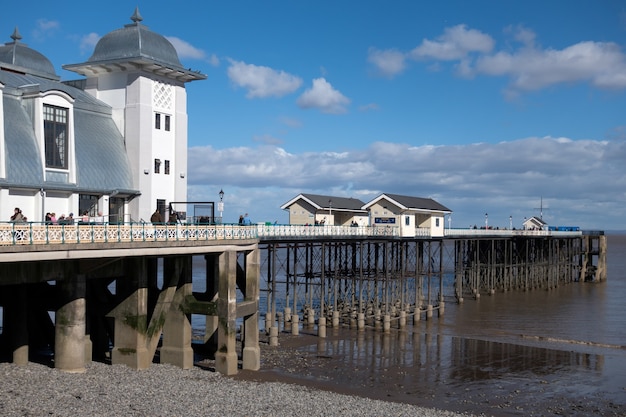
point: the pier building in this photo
(112, 144)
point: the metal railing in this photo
(316, 231)
(33, 233)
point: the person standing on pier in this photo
(18, 216)
(246, 220)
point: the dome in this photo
(19, 57)
(135, 41)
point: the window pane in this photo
(157, 121)
(167, 123)
(55, 136)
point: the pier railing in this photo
(33, 233)
(305, 231)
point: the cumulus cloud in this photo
(528, 66)
(262, 82)
(455, 43)
(45, 28)
(505, 179)
(88, 42)
(388, 62)
(187, 51)
(324, 97)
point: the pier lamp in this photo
(486, 221)
(511, 222)
(220, 205)
(330, 209)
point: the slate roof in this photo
(412, 203)
(322, 202)
(102, 163)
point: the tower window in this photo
(167, 167)
(157, 120)
(167, 123)
(157, 166)
(55, 136)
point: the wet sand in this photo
(447, 372)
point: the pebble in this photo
(164, 390)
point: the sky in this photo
(496, 109)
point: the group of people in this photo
(157, 218)
(244, 220)
(51, 218)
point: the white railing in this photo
(507, 233)
(44, 234)
(304, 231)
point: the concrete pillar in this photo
(131, 318)
(335, 319)
(176, 349)
(442, 308)
(273, 336)
(268, 322)
(15, 323)
(386, 323)
(311, 317)
(402, 320)
(429, 311)
(295, 325)
(360, 321)
(226, 355)
(321, 326)
(69, 334)
(251, 355)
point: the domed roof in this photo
(132, 41)
(19, 57)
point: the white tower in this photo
(138, 73)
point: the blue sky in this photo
(486, 106)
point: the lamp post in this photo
(330, 211)
(511, 222)
(449, 221)
(220, 205)
(486, 221)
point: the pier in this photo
(123, 292)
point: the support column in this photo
(226, 355)
(131, 318)
(176, 349)
(251, 351)
(69, 334)
(16, 322)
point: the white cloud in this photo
(262, 82)
(88, 42)
(505, 179)
(324, 97)
(185, 50)
(602, 64)
(388, 62)
(455, 43)
(45, 28)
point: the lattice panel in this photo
(162, 95)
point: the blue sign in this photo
(385, 220)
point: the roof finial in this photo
(136, 17)
(16, 35)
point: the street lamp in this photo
(449, 221)
(220, 205)
(330, 210)
(486, 221)
(511, 222)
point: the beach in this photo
(163, 390)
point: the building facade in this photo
(111, 144)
